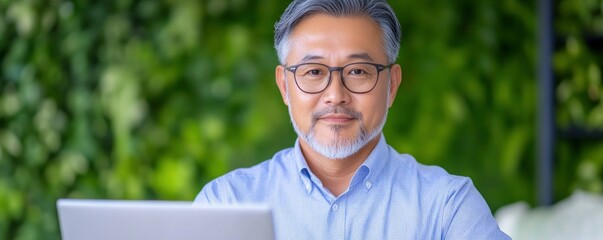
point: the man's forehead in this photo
(323, 36)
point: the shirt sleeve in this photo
(468, 216)
(211, 194)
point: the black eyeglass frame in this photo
(380, 67)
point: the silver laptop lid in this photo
(161, 220)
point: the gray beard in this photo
(341, 147)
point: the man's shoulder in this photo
(449, 199)
(427, 175)
(280, 163)
(242, 183)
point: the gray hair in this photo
(378, 10)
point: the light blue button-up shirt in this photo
(391, 196)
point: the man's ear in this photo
(281, 82)
(395, 81)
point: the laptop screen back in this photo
(161, 220)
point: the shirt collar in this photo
(374, 165)
(302, 167)
(368, 172)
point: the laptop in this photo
(161, 220)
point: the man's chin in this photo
(338, 127)
(338, 148)
(336, 140)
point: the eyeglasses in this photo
(358, 77)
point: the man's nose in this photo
(336, 93)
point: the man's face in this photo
(336, 118)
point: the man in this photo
(341, 180)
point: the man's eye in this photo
(314, 72)
(357, 71)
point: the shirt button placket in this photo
(337, 220)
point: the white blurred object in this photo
(578, 217)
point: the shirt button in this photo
(335, 207)
(368, 185)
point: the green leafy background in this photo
(144, 99)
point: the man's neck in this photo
(336, 174)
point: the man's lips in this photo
(337, 118)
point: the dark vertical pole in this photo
(546, 122)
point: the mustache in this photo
(334, 110)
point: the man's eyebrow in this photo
(363, 56)
(309, 58)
